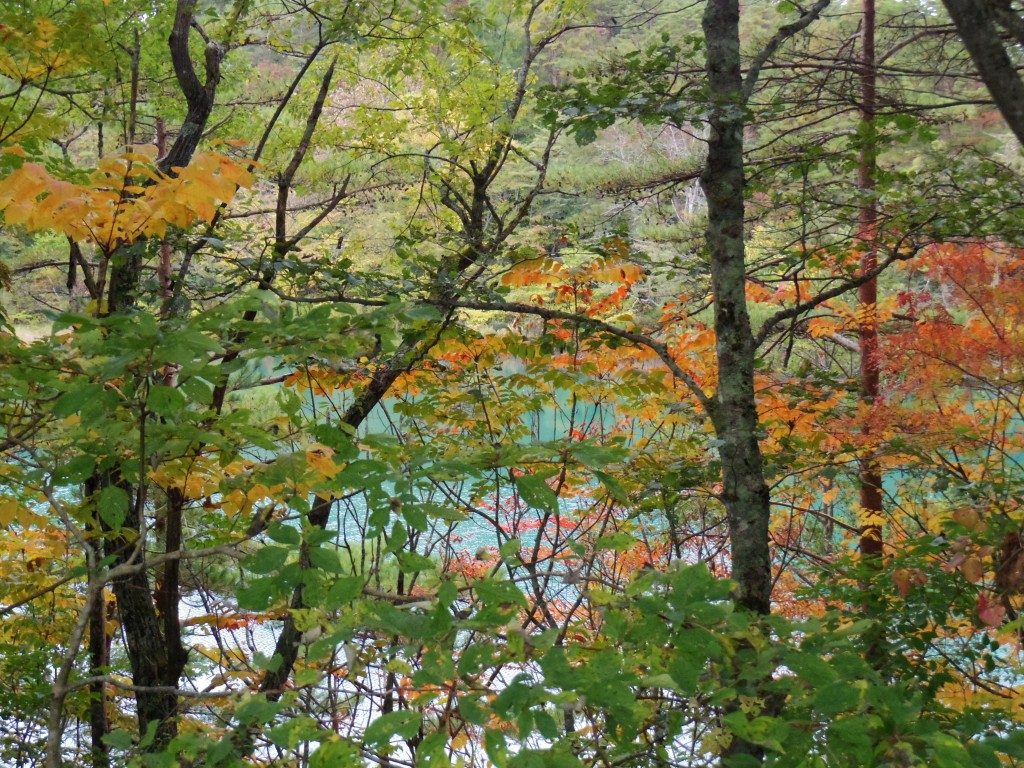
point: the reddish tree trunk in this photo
(870, 474)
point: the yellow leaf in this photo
(9, 509)
(901, 578)
(967, 517)
(320, 458)
(973, 570)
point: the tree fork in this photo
(154, 646)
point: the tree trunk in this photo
(287, 646)
(98, 725)
(744, 492)
(870, 474)
(147, 646)
(869, 471)
(734, 408)
(976, 25)
(151, 631)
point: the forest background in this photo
(515, 383)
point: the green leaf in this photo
(840, 696)
(76, 398)
(411, 562)
(853, 735)
(594, 456)
(165, 401)
(258, 594)
(617, 542)
(113, 506)
(546, 725)
(338, 439)
(510, 548)
(75, 470)
(495, 747)
(256, 709)
(198, 390)
(983, 755)
(343, 591)
(150, 735)
(947, 752)
(404, 723)
(267, 559)
(515, 696)
(326, 559)
(613, 486)
(810, 667)
(119, 739)
(764, 731)
(341, 753)
(284, 534)
(291, 733)
(534, 491)
(498, 592)
(306, 677)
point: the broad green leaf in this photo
(535, 492)
(382, 729)
(338, 753)
(411, 562)
(113, 506)
(165, 401)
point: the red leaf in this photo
(992, 614)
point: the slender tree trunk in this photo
(98, 726)
(168, 590)
(147, 646)
(287, 646)
(164, 266)
(867, 222)
(744, 492)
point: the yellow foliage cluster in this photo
(805, 418)
(31, 54)
(533, 272)
(196, 476)
(126, 198)
(236, 487)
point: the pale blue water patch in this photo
(562, 417)
(553, 422)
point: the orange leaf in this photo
(973, 570)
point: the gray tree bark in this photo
(734, 411)
(975, 22)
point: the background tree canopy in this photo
(524, 383)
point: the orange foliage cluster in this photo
(579, 286)
(323, 381)
(127, 198)
(238, 486)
